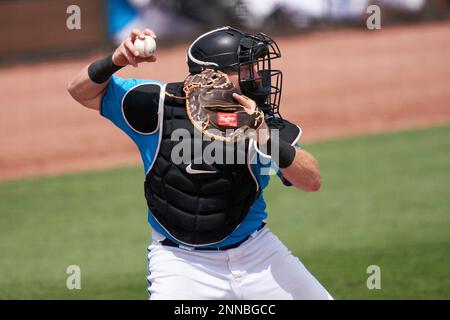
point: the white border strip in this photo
(249, 160)
(123, 113)
(162, 96)
(298, 136)
(262, 154)
(200, 62)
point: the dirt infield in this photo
(336, 84)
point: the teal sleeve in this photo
(111, 108)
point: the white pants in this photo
(262, 268)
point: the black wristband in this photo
(286, 152)
(101, 70)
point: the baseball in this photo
(146, 47)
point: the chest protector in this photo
(197, 204)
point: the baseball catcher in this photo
(209, 146)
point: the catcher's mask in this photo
(230, 50)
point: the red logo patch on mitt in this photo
(227, 119)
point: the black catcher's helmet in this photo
(230, 50)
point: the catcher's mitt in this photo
(213, 111)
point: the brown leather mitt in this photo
(213, 111)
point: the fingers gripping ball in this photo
(213, 111)
(146, 47)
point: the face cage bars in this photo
(264, 80)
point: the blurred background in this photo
(374, 106)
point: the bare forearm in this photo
(303, 172)
(88, 85)
(86, 91)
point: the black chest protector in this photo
(197, 204)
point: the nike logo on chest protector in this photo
(190, 170)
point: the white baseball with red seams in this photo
(146, 47)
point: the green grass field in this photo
(384, 201)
